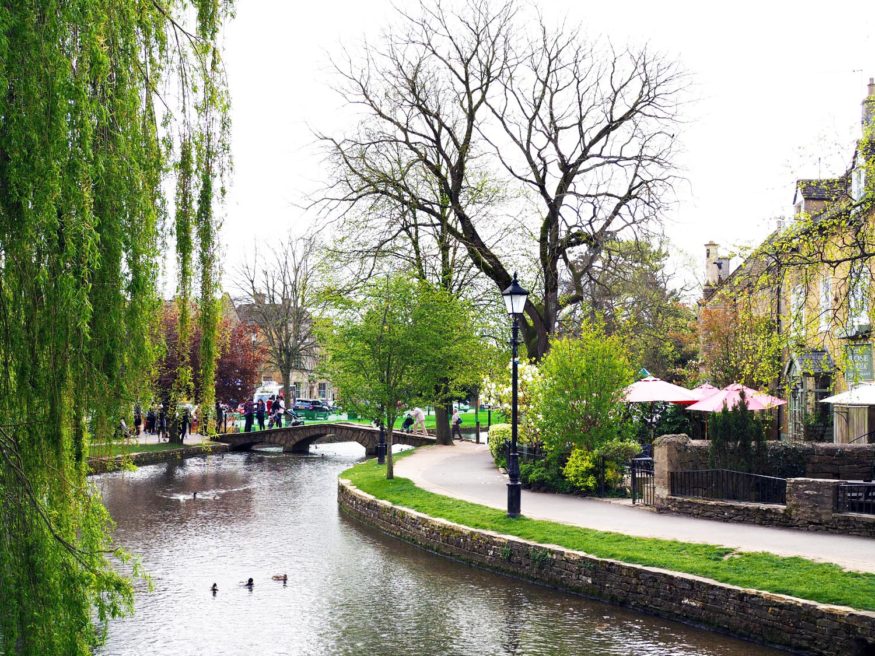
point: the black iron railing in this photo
(527, 452)
(856, 498)
(641, 472)
(728, 485)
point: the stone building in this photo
(810, 281)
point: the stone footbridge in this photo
(297, 439)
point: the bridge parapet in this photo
(298, 439)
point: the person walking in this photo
(456, 424)
(259, 414)
(248, 415)
(138, 419)
(162, 423)
(419, 421)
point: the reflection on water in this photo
(350, 590)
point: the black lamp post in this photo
(514, 301)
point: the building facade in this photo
(807, 293)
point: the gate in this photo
(641, 470)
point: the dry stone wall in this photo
(802, 626)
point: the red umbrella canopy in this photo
(704, 391)
(652, 389)
(731, 395)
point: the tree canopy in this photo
(96, 97)
(398, 344)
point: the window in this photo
(323, 391)
(858, 182)
(797, 309)
(858, 297)
(825, 303)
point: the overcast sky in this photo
(777, 88)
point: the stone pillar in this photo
(811, 501)
(667, 454)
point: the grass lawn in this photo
(120, 448)
(468, 420)
(797, 577)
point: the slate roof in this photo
(824, 189)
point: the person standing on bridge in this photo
(259, 414)
(248, 414)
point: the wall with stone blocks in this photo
(847, 462)
(802, 626)
(810, 501)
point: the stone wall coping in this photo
(777, 507)
(832, 608)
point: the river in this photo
(350, 589)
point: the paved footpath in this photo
(465, 471)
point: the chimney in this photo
(869, 107)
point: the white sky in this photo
(776, 85)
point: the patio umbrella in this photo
(652, 390)
(731, 395)
(862, 394)
(704, 391)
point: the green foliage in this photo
(545, 476)
(637, 300)
(498, 435)
(796, 577)
(579, 399)
(396, 345)
(585, 467)
(85, 147)
(785, 460)
(737, 440)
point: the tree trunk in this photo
(442, 416)
(390, 463)
(287, 390)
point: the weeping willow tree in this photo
(100, 101)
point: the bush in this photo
(544, 476)
(584, 467)
(498, 434)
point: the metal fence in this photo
(641, 473)
(856, 498)
(728, 485)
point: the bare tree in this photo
(279, 298)
(465, 101)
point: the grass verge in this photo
(797, 577)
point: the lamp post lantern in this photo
(514, 301)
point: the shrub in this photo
(544, 476)
(584, 467)
(498, 434)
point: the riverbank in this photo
(151, 455)
(788, 602)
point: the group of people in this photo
(272, 409)
(414, 422)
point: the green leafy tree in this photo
(393, 346)
(96, 97)
(579, 398)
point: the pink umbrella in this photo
(704, 391)
(652, 389)
(731, 395)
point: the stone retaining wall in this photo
(107, 464)
(802, 626)
(847, 462)
(810, 501)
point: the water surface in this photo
(351, 590)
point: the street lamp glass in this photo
(514, 297)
